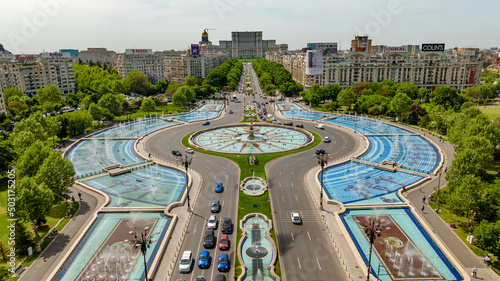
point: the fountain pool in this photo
(404, 251)
(104, 253)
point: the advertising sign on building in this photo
(433, 47)
(325, 47)
(139, 51)
(55, 55)
(195, 49)
(472, 77)
(25, 58)
(468, 52)
(395, 50)
(314, 62)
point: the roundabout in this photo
(251, 139)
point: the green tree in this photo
(447, 97)
(7, 155)
(15, 107)
(183, 95)
(468, 162)
(359, 87)
(78, 121)
(346, 97)
(111, 102)
(148, 105)
(12, 94)
(57, 173)
(487, 236)
(23, 239)
(465, 196)
(21, 141)
(32, 158)
(52, 126)
(137, 82)
(96, 112)
(331, 91)
(50, 93)
(409, 89)
(400, 104)
(35, 123)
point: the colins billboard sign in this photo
(433, 47)
(395, 50)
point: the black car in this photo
(230, 112)
(288, 124)
(299, 126)
(227, 226)
(209, 239)
(176, 153)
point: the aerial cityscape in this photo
(227, 140)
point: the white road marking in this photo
(292, 184)
(296, 199)
(292, 236)
(280, 174)
(293, 172)
(210, 161)
(280, 184)
(309, 235)
(286, 164)
(195, 228)
(318, 263)
(227, 177)
(299, 263)
(283, 198)
(302, 164)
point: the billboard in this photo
(139, 51)
(56, 55)
(395, 50)
(195, 49)
(472, 76)
(25, 58)
(314, 62)
(358, 49)
(468, 52)
(433, 47)
(325, 47)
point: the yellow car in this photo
(269, 120)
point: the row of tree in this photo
(227, 74)
(274, 76)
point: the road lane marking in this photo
(292, 236)
(195, 228)
(280, 184)
(280, 173)
(296, 199)
(293, 172)
(283, 198)
(302, 164)
(309, 235)
(318, 263)
(299, 263)
(292, 184)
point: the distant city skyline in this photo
(33, 26)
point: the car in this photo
(186, 262)
(218, 187)
(176, 153)
(205, 123)
(215, 208)
(227, 226)
(208, 239)
(277, 122)
(320, 126)
(299, 125)
(320, 151)
(220, 277)
(200, 278)
(189, 150)
(268, 120)
(204, 259)
(238, 101)
(212, 222)
(288, 124)
(296, 218)
(223, 263)
(327, 139)
(230, 112)
(223, 242)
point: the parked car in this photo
(200, 278)
(296, 218)
(227, 226)
(218, 187)
(288, 124)
(215, 208)
(223, 263)
(176, 153)
(186, 262)
(212, 222)
(204, 259)
(327, 139)
(208, 239)
(223, 242)
(205, 123)
(189, 150)
(299, 125)
(220, 277)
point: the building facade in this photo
(177, 68)
(144, 60)
(30, 73)
(95, 55)
(246, 44)
(3, 104)
(361, 44)
(459, 69)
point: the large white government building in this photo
(426, 67)
(245, 44)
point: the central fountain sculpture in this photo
(251, 130)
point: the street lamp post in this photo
(372, 229)
(186, 162)
(143, 241)
(322, 161)
(439, 191)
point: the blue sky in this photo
(32, 26)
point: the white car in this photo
(186, 262)
(212, 222)
(189, 150)
(296, 218)
(320, 126)
(327, 139)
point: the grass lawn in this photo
(246, 203)
(492, 112)
(169, 109)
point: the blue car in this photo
(218, 187)
(206, 123)
(223, 264)
(204, 259)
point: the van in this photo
(186, 262)
(270, 116)
(320, 126)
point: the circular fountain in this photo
(251, 138)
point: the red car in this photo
(223, 242)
